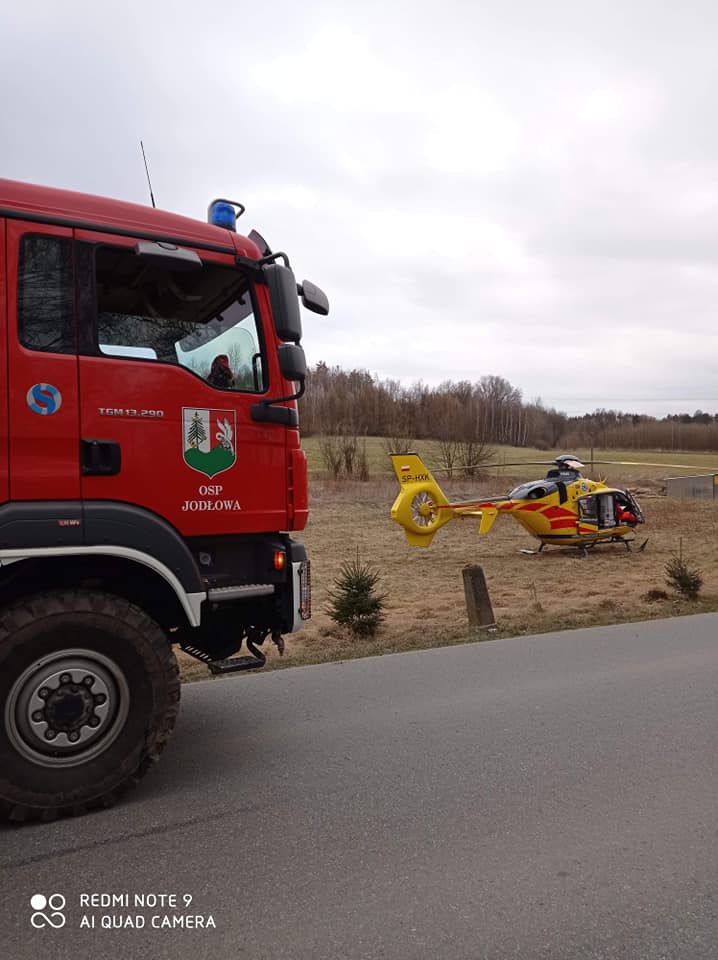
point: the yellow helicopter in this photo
(564, 509)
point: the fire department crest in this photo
(208, 439)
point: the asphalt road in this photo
(549, 797)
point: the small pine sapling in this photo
(354, 602)
(686, 580)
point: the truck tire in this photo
(89, 694)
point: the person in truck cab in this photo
(221, 375)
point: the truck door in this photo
(42, 363)
(172, 358)
(4, 479)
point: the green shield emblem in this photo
(208, 443)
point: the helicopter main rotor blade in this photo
(518, 463)
(588, 462)
(460, 471)
(478, 467)
(646, 463)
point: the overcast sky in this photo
(526, 189)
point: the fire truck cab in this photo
(150, 475)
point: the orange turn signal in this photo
(280, 558)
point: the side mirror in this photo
(292, 362)
(313, 297)
(167, 256)
(293, 365)
(283, 298)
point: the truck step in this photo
(234, 664)
(239, 592)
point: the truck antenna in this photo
(149, 182)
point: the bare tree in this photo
(349, 448)
(449, 455)
(331, 453)
(362, 463)
(472, 454)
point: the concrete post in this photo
(478, 603)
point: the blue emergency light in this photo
(224, 213)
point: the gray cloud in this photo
(514, 189)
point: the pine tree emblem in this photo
(196, 433)
(209, 439)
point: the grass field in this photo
(556, 589)
(672, 463)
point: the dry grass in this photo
(557, 589)
(622, 475)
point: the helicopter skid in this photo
(584, 542)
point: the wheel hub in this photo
(67, 708)
(70, 706)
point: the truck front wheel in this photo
(89, 693)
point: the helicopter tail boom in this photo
(421, 507)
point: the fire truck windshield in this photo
(204, 321)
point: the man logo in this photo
(55, 903)
(44, 399)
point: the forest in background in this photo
(487, 411)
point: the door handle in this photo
(100, 458)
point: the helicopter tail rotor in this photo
(417, 508)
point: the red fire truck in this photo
(150, 471)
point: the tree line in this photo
(487, 411)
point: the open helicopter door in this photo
(587, 515)
(633, 506)
(606, 510)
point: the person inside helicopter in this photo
(622, 513)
